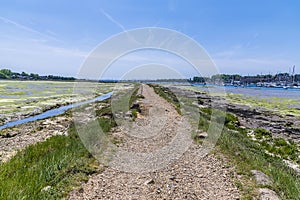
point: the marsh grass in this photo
(282, 148)
(206, 114)
(60, 162)
(248, 155)
(261, 133)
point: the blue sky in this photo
(55, 37)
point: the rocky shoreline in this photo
(279, 126)
(285, 126)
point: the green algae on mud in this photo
(24, 98)
(280, 105)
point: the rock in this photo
(172, 178)
(128, 114)
(9, 135)
(267, 194)
(47, 188)
(261, 178)
(293, 166)
(237, 153)
(159, 190)
(81, 190)
(201, 134)
(290, 115)
(149, 181)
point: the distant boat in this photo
(295, 87)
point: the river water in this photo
(260, 92)
(55, 112)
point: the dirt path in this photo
(158, 136)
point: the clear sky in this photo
(241, 36)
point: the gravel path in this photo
(160, 130)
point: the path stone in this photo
(261, 178)
(267, 194)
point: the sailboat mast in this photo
(293, 75)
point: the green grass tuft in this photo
(261, 133)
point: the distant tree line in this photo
(8, 74)
(229, 78)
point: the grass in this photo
(229, 120)
(134, 95)
(60, 163)
(288, 150)
(261, 133)
(127, 100)
(248, 155)
(123, 98)
(168, 95)
(134, 114)
(104, 111)
(106, 123)
(135, 107)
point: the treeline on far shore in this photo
(9, 75)
(280, 78)
(227, 78)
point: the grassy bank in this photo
(58, 163)
(247, 155)
(51, 169)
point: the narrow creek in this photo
(55, 111)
